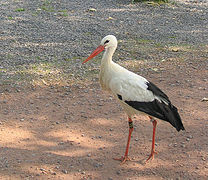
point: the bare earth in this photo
(74, 132)
(56, 122)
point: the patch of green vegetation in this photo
(88, 34)
(154, 1)
(67, 59)
(67, 71)
(63, 12)
(173, 3)
(46, 3)
(71, 59)
(35, 13)
(55, 72)
(46, 6)
(158, 45)
(38, 58)
(10, 18)
(9, 56)
(172, 37)
(19, 9)
(143, 41)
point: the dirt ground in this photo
(73, 132)
(57, 123)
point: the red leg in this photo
(125, 158)
(154, 122)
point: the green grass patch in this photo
(10, 18)
(154, 1)
(143, 41)
(172, 37)
(19, 9)
(63, 12)
(57, 72)
(47, 8)
(71, 59)
(66, 71)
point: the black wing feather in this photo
(156, 91)
(159, 109)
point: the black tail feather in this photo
(170, 114)
(160, 110)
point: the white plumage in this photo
(134, 92)
(131, 87)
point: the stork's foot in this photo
(151, 156)
(123, 159)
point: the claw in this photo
(123, 159)
(151, 156)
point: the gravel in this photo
(36, 31)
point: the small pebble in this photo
(118, 172)
(183, 145)
(98, 165)
(153, 172)
(64, 171)
(61, 143)
(92, 9)
(42, 169)
(190, 137)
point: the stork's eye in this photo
(107, 41)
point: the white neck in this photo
(107, 56)
(106, 67)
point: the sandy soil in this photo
(73, 132)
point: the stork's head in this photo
(107, 42)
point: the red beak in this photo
(97, 51)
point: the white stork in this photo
(135, 93)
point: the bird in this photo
(135, 93)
